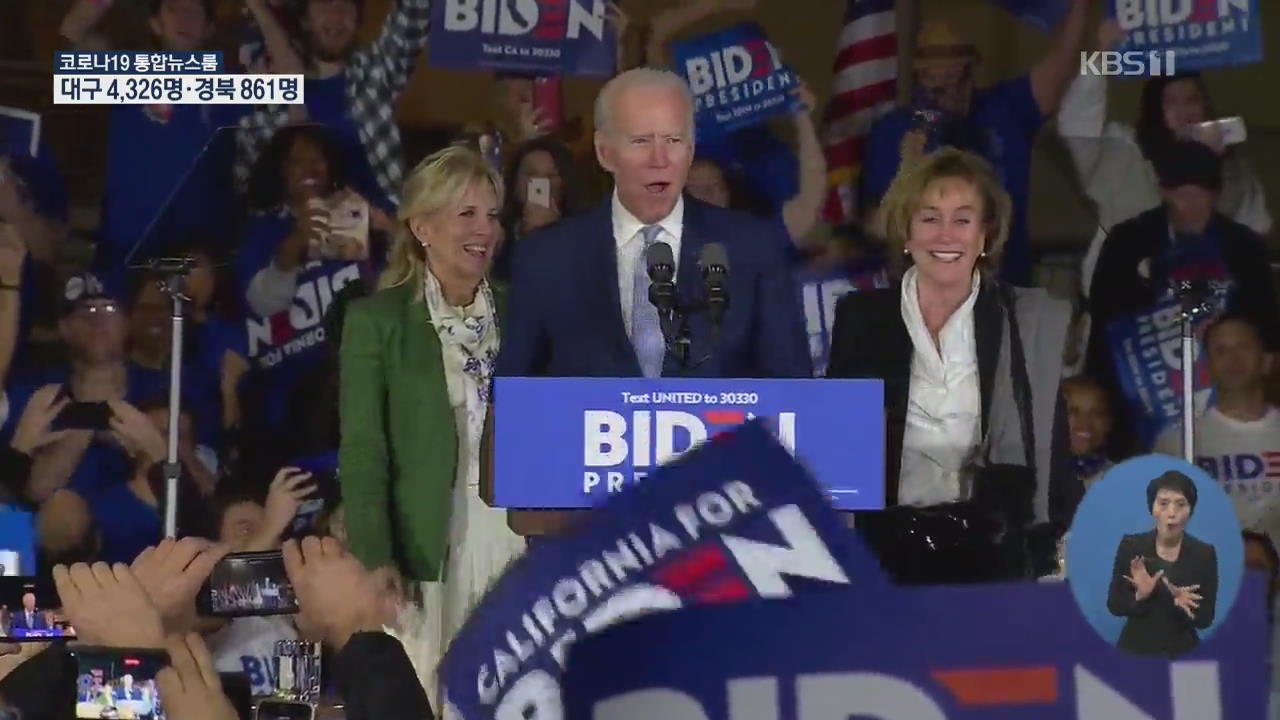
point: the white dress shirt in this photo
(626, 232)
(944, 403)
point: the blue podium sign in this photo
(572, 442)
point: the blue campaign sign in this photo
(1202, 34)
(572, 442)
(820, 290)
(1043, 14)
(996, 652)
(538, 37)
(17, 535)
(738, 519)
(737, 77)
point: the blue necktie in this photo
(646, 331)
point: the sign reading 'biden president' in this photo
(572, 442)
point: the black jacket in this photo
(377, 681)
(1156, 626)
(870, 340)
(1119, 290)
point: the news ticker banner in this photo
(737, 77)
(1200, 34)
(995, 652)
(573, 442)
(537, 37)
(164, 78)
(736, 520)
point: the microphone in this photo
(714, 262)
(661, 265)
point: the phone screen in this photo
(244, 584)
(348, 229)
(118, 683)
(539, 192)
(283, 710)
(30, 611)
(323, 499)
(84, 416)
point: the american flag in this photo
(864, 88)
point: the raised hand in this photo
(1143, 583)
(33, 431)
(1185, 597)
(1110, 35)
(171, 574)
(190, 685)
(336, 595)
(13, 253)
(107, 606)
(137, 434)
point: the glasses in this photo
(98, 310)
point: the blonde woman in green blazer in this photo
(417, 359)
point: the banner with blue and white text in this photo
(1044, 15)
(1201, 34)
(536, 37)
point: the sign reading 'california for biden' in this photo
(572, 442)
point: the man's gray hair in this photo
(635, 78)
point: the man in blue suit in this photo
(578, 303)
(29, 618)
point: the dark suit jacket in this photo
(870, 340)
(564, 316)
(1156, 626)
(20, 621)
(377, 680)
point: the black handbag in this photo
(986, 538)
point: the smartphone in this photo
(118, 682)
(548, 101)
(349, 220)
(30, 611)
(539, 192)
(248, 584)
(1232, 130)
(285, 710)
(84, 416)
(324, 498)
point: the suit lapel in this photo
(989, 333)
(422, 362)
(600, 275)
(896, 350)
(691, 241)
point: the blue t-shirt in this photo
(756, 156)
(288, 346)
(152, 161)
(1006, 117)
(127, 524)
(327, 105)
(209, 342)
(48, 192)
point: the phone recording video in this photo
(284, 710)
(118, 683)
(84, 416)
(247, 584)
(348, 229)
(30, 611)
(539, 192)
(317, 506)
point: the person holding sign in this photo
(1165, 580)
(602, 324)
(416, 362)
(976, 430)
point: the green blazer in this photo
(399, 454)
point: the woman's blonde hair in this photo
(906, 193)
(437, 183)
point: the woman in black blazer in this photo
(979, 479)
(1165, 581)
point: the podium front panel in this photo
(570, 442)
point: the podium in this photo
(555, 447)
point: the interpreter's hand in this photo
(33, 431)
(13, 253)
(1185, 597)
(1110, 34)
(137, 434)
(107, 606)
(288, 489)
(336, 595)
(190, 685)
(1143, 583)
(171, 574)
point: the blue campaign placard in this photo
(1042, 14)
(736, 520)
(993, 652)
(572, 442)
(1201, 34)
(538, 37)
(737, 78)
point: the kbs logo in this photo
(544, 19)
(652, 440)
(1134, 63)
(1162, 21)
(736, 73)
(885, 697)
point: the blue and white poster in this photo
(1201, 34)
(573, 442)
(820, 290)
(989, 652)
(1147, 351)
(737, 77)
(736, 520)
(1042, 14)
(537, 37)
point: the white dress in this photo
(480, 543)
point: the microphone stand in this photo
(174, 272)
(1195, 303)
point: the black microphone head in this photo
(713, 255)
(660, 262)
